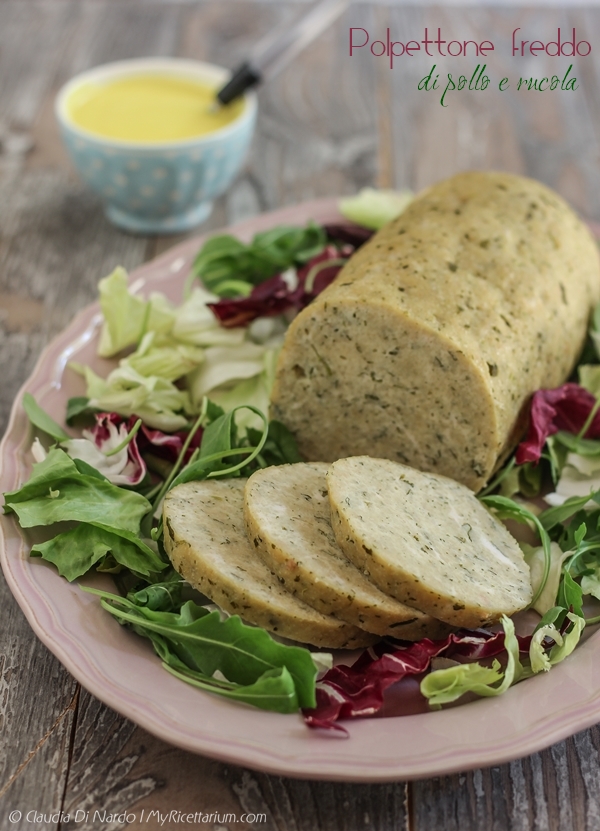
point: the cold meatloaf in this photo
(432, 338)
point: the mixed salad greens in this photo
(187, 401)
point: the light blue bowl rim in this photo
(181, 67)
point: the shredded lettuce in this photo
(170, 344)
(126, 316)
(540, 659)
(196, 324)
(536, 561)
(374, 208)
(560, 651)
(164, 358)
(446, 685)
(589, 374)
(590, 583)
(158, 402)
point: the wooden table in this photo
(328, 125)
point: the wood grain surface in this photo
(328, 125)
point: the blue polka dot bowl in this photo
(153, 188)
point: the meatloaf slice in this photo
(206, 540)
(426, 540)
(288, 522)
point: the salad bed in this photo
(199, 440)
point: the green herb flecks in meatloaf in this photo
(429, 343)
(206, 541)
(288, 521)
(426, 540)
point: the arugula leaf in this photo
(570, 595)
(530, 479)
(195, 472)
(582, 527)
(165, 596)
(219, 443)
(213, 411)
(206, 644)
(280, 447)
(555, 616)
(287, 244)
(229, 267)
(512, 479)
(39, 418)
(556, 454)
(219, 436)
(74, 552)
(274, 690)
(554, 516)
(581, 446)
(221, 259)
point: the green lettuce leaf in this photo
(56, 465)
(540, 658)
(196, 324)
(76, 551)
(164, 358)
(536, 560)
(375, 208)
(589, 374)
(562, 650)
(157, 401)
(128, 317)
(446, 685)
(58, 492)
(590, 583)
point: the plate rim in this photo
(333, 762)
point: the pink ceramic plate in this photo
(120, 668)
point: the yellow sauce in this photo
(149, 108)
